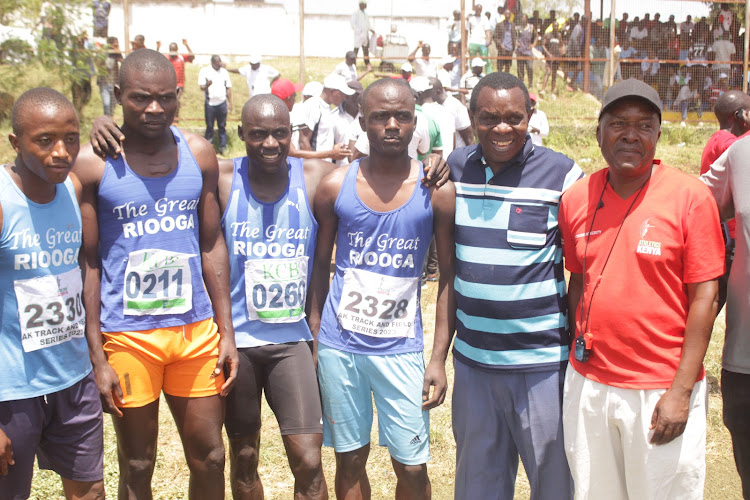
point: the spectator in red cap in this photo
(285, 90)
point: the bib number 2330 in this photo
(50, 309)
(157, 282)
(377, 305)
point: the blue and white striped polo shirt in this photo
(510, 287)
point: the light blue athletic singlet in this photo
(149, 246)
(373, 306)
(271, 247)
(42, 344)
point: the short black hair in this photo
(385, 82)
(728, 104)
(262, 100)
(146, 61)
(40, 97)
(498, 81)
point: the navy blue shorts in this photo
(64, 429)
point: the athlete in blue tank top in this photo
(47, 375)
(156, 277)
(266, 200)
(368, 322)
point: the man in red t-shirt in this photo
(178, 62)
(644, 248)
(731, 110)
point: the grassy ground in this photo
(573, 124)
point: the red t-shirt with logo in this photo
(639, 310)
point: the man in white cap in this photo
(361, 26)
(348, 68)
(311, 89)
(461, 122)
(259, 76)
(449, 74)
(406, 71)
(472, 77)
(316, 115)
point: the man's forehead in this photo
(631, 107)
(266, 115)
(492, 97)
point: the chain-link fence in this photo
(690, 60)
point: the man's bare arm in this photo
(339, 152)
(670, 415)
(323, 207)
(467, 135)
(89, 169)
(444, 208)
(215, 258)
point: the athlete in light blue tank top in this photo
(149, 244)
(271, 246)
(42, 344)
(373, 305)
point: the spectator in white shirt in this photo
(214, 81)
(423, 66)
(538, 124)
(259, 76)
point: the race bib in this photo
(377, 305)
(276, 289)
(50, 309)
(157, 282)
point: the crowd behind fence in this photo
(690, 62)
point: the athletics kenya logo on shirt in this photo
(646, 246)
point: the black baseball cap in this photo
(631, 88)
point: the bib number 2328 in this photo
(50, 309)
(377, 305)
(157, 282)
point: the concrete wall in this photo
(273, 28)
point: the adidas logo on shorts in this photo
(415, 440)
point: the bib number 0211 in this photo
(157, 282)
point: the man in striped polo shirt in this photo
(512, 338)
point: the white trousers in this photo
(606, 432)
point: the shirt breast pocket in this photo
(527, 226)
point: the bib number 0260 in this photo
(276, 289)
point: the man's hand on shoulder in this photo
(436, 170)
(106, 137)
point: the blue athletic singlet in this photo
(42, 344)
(271, 247)
(149, 246)
(373, 306)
